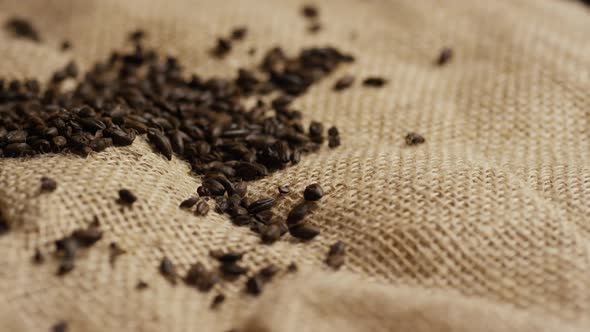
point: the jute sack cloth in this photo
(482, 228)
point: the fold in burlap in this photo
(483, 228)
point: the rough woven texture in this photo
(483, 228)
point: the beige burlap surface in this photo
(483, 228)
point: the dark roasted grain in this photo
(217, 301)
(304, 231)
(313, 192)
(297, 213)
(127, 197)
(48, 184)
(445, 56)
(374, 82)
(414, 139)
(344, 83)
(168, 270)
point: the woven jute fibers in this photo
(482, 228)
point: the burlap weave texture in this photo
(484, 224)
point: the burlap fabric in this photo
(483, 228)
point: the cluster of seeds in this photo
(231, 130)
(68, 247)
(204, 121)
